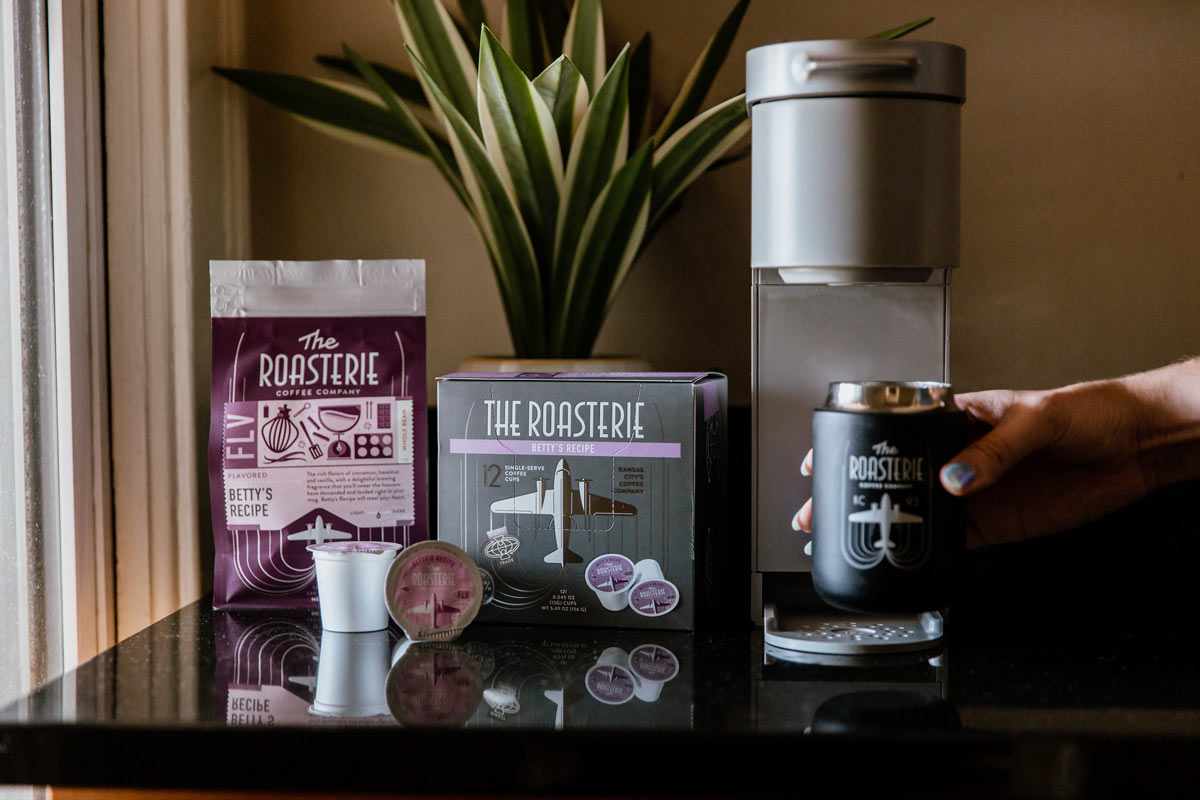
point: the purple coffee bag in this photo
(317, 426)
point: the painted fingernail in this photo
(958, 475)
(796, 522)
(806, 466)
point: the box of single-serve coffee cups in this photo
(586, 499)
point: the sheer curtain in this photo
(30, 592)
(30, 576)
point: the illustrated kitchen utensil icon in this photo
(280, 432)
(314, 449)
(339, 420)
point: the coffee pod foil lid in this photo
(612, 572)
(433, 591)
(654, 598)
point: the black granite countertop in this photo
(1068, 671)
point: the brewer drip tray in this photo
(841, 633)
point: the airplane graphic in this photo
(614, 583)
(561, 502)
(885, 515)
(652, 604)
(317, 533)
(434, 606)
(433, 672)
(556, 696)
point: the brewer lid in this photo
(855, 67)
(890, 397)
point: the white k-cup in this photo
(350, 579)
(610, 576)
(352, 674)
(651, 594)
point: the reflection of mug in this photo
(885, 711)
(351, 674)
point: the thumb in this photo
(1022, 430)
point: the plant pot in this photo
(514, 364)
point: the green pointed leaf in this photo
(699, 80)
(470, 38)
(566, 95)
(639, 92)
(583, 41)
(495, 212)
(391, 100)
(521, 140)
(902, 30)
(432, 35)
(327, 106)
(597, 152)
(523, 36)
(693, 148)
(609, 242)
(402, 83)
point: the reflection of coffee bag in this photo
(266, 668)
(318, 418)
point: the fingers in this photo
(1022, 429)
(803, 519)
(987, 406)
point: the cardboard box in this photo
(586, 499)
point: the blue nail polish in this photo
(958, 475)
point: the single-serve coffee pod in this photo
(610, 576)
(349, 577)
(610, 680)
(652, 595)
(433, 591)
(652, 666)
(352, 675)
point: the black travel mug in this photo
(886, 536)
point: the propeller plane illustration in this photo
(433, 607)
(562, 503)
(885, 515)
(318, 533)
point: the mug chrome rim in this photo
(890, 397)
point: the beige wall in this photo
(1081, 187)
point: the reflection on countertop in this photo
(283, 669)
(1067, 670)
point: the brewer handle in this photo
(865, 64)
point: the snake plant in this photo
(552, 150)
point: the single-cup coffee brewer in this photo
(854, 235)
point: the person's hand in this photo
(1051, 460)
